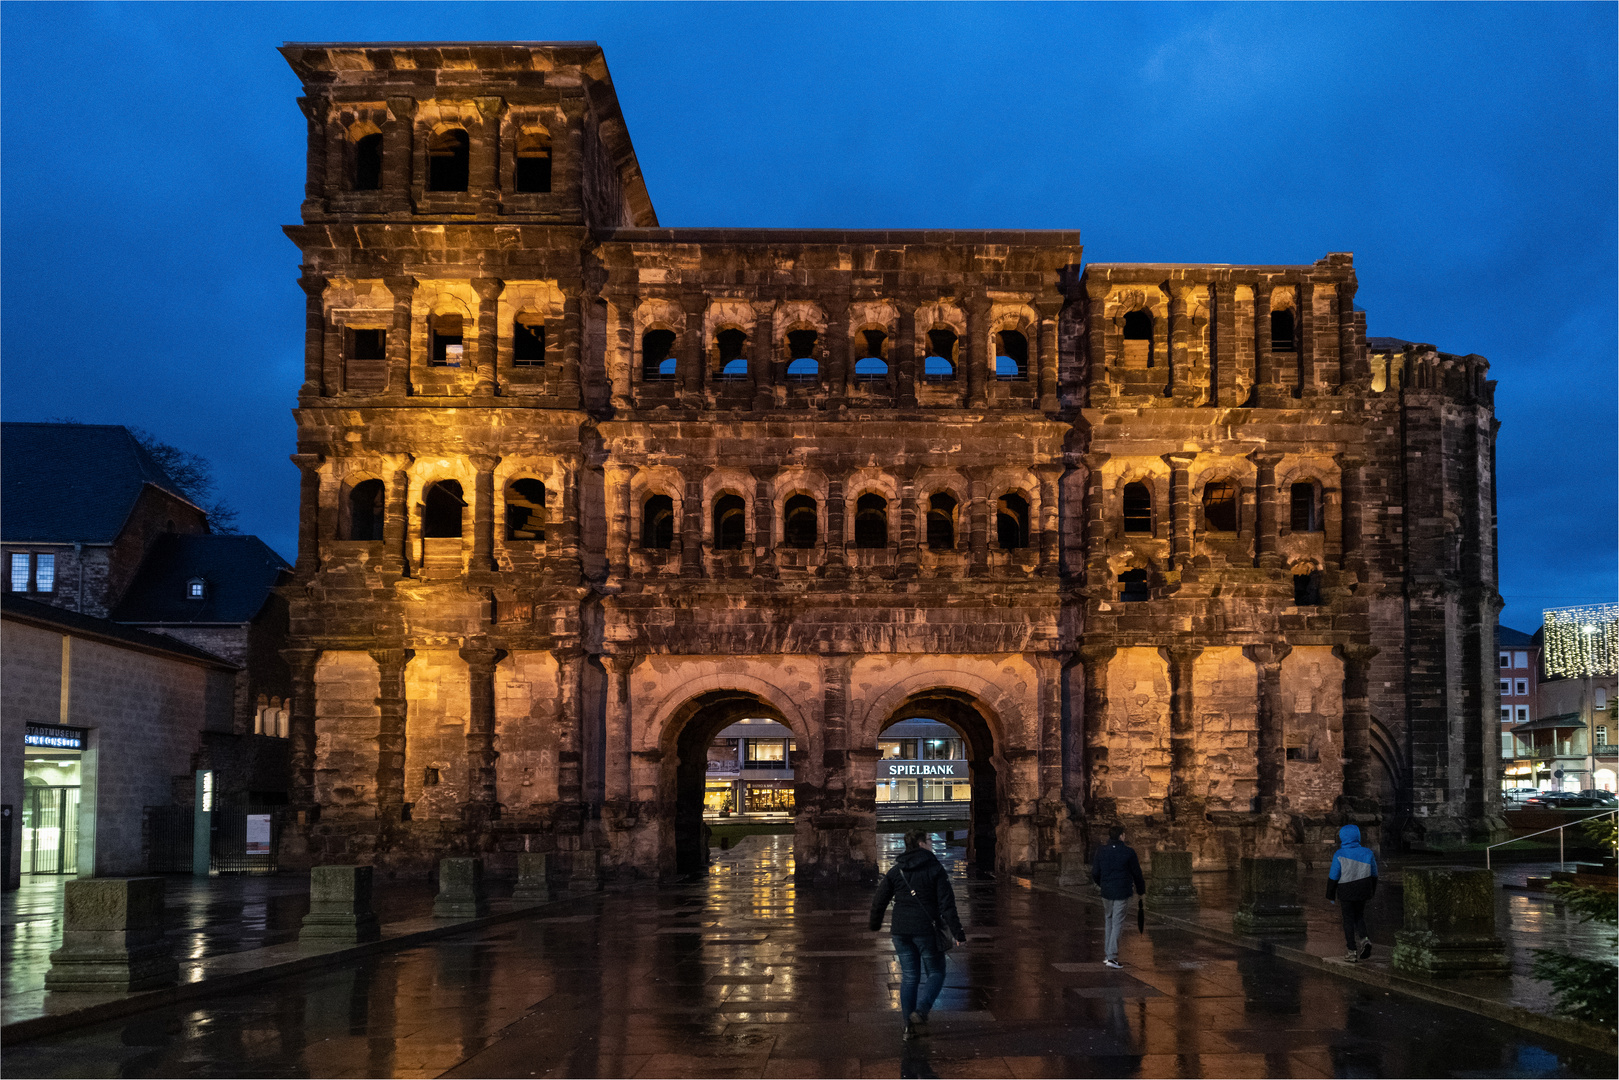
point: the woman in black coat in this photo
(923, 899)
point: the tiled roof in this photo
(238, 573)
(1506, 635)
(66, 621)
(72, 482)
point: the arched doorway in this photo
(938, 778)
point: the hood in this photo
(914, 860)
(1349, 836)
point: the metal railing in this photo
(1558, 829)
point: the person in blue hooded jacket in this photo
(1350, 884)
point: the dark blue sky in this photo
(1464, 153)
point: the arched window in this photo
(1137, 508)
(366, 513)
(940, 363)
(941, 522)
(1220, 499)
(445, 332)
(656, 363)
(658, 523)
(1281, 331)
(802, 367)
(1012, 362)
(525, 510)
(1306, 515)
(533, 172)
(368, 162)
(528, 340)
(872, 367)
(1133, 586)
(871, 521)
(733, 367)
(441, 510)
(447, 155)
(799, 522)
(1012, 522)
(730, 523)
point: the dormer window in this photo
(196, 589)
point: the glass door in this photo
(50, 830)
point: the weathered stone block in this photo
(1450, 924)
(531, 877)
(1074, 870)
(1270, 898)
(460, 890)
(585, 867)
(1170, 884)
(340, 905)
(112, 938)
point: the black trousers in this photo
(1354, 913)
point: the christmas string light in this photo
(1581, 641)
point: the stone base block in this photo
(460, 890)
(1269, 921)
(120, 971)
(532, 885)
(586, 871)
(112, 938)
(340, 906)
(1420, 952)
(1170, 884)
(1073, 870)
(1270, 898)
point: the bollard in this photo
(1170, 885)
(112, 938)
(531, 882)
(1073, 870)
(586, 867)
(460, 890)
(340, 906)
(1270, 898)
(1450, 924)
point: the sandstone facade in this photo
(1171, 545)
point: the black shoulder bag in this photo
(943, 939)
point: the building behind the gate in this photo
(1169, 545)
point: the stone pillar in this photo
(978, 492)
(1049, 522)
(1095, 658)
(1096, 572)
(570, 733)
(486, 382)
(1222, 345)
(482, 802)
(399, 156)
(693, 357)
(1304, 337)
(315, 383)
(483, 165)
(1272, 755)
(762, 369)
(340, 906)
(691, 520)
(403, 290)
(840, 371)
(835, 555)
(903, 354)
(533, 877)
(1270, 898)
(1178, 383)
(1265, 528)
(620, 518)
(622, 375)
(112, 938)
(911, 529)
(1049, 760)
(573, 334)
(1450, 924)
(1050, 312)
(308, 561)
(1073, 870)
(764, 521)
(460, 890)
(391, 704)
(316, 112)
(977, 351)
(620, 736)
(1170, 886)
(1265, 390)
(585, 871)
(1182, 524)
(1182, 806)
(301, 727)
(1352, 482)
(1353, 368)
(483, 511)
(1098, 376)
(1357, 751)
(396, 525)
(569, 550)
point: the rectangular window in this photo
(1521, 687)
(888, 748)
(1506, 660)
(897, 791)
(528, 344)
(1523, 714)
(1506, 714)
(1520, 659)
(766, 753)
(1506, 686)
(370, 344)
(44, 573)
(19, 572)
(1602, 736)
(1506, 745)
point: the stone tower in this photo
(1168, 545)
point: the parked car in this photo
(1600, 797)
(1562, 800)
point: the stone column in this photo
(1265, 528)
(693, 357)
(484, 162)
(620, 737)
(570, 550)
(762, 369)
(317, 163)
(573, 333)
(903, 354)
(1178, 384)
(623, 343)
(1182, 805)
(570, 735)
(1264, 360)
(618, 482)
(691, 520)
(1352, 366)
(1304, 337)
(1096, 573)
(1182, 526)
(301, 726)
(396, 525)
(315, 382)
(391, 703)
(399, 155)
(836, 565)
(1095, 659)
(911, 531)
(403, 290)
(1050, 312)
(1049, 475)
(978, 492)
(764, 521)
(1049, 668)
(1098, 376)
(840, 372)
(482, 802)
(1272, 754)
(489, 289)
(308, 561)
(483, 511)
(977, 348)
(1222, 345)
(1357, 748)
(1352, 482)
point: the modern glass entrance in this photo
(50, 815)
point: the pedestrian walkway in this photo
(746, 974)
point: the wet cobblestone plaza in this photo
(745, 974)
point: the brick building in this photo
(1173, 545)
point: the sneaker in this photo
(910, 1031)
(1351, 956)
(1366, 948)
(918, 1024)
(1113, 964)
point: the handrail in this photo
(1558, 829)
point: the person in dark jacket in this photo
(1350, 884)
(1117, 872)
(920, 890)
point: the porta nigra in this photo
(1170, 545)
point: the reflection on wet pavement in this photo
(745, 974)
